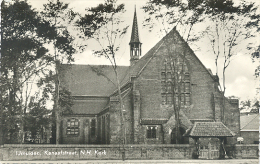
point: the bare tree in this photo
(169, 15)
(103, 25)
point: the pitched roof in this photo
(84, 80)
(137, 68)
(249, 122)
(91, 106)
(91, 80)
(209, 129)
(135, 34)
(201, 120)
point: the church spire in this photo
(135, 44)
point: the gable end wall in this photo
(149, 85)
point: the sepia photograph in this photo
(130, 81)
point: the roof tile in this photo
(92, 80)
(209, 129)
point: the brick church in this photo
(167, 77)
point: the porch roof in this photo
(209, 129)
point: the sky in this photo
(240, 80)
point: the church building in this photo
(168, 78)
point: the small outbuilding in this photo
(249, 128)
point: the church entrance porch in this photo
(216, 133)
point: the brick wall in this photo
(149, 86)
(115, 127)
(232, 118)
(136, 116)
(250, 136)
(92, 152)
(14, 152)
(248, 151)
(205, 101)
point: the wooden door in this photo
(211, 151)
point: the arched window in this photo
(175, 82)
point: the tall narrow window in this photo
(103, 130)
(169, 98)
(73, 126)
(167, 83)
(175, 82)
(187, 99)
(163, 98)
(163, 86)
(93, 128)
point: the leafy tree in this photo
(246, 103)
(103, 25)
(24, 34)
(59, 15)
(255, 57)
(169, 14)
(38, 117)
(253, 105)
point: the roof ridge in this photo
(174, 30)
(149, 60)
(185, 42)
(250, 121)
(154, 118)
(95, 65)
(159, 46)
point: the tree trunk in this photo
(1, 123)
(122, 119)
(177, 127)
(56, 104)
(17, 106)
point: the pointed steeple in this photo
(135, 44)
(135, 34)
